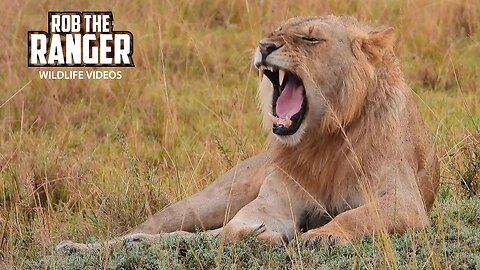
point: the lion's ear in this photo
(376, 43)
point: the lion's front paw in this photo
(237, 232)
(69, 247)
(132, 239)
(318, 238)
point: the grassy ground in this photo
(451, 242)
(86, 160)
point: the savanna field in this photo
(90, 159)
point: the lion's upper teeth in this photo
(260, 72)
(281, 76)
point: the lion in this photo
(348, 153)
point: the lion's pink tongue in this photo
(290, 100)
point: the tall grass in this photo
(93, 158)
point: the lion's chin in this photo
(294, 139)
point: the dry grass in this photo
(81, 159)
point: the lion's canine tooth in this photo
(288, 122)
(273, 118)
(260, 71)
(281, 76)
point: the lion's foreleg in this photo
(206, 210)
(129, 239)
(67, 246)
(214, 206)
(389, 213)
(154, 238)
(272, 217)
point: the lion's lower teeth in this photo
(273, 118)
(288, 122)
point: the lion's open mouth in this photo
(289, 102)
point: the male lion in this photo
(349, 154)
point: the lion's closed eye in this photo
(313, 40)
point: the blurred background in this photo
(93, 158)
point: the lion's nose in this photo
(267, 48)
